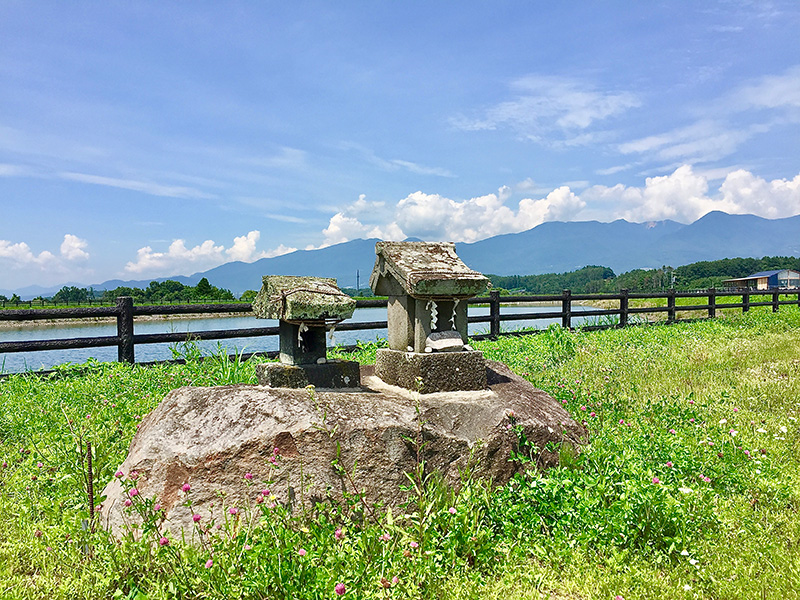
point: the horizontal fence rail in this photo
(125, 312)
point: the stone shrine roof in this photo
(302, 299)
(424, 269)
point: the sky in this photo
(151, 139)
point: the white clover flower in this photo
(685, 490)
(723, 421)
(684, 552)
(783, 429)
(761, 430)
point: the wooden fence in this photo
(126, 339)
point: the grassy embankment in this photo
(688, 489)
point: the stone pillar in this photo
(422, 323)
(400, 314)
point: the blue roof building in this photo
(780, 279)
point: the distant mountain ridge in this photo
(553, 247)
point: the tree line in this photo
(596, 279)
(156, 292)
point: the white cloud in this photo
(435, 217)
(771, 91)
(545, 107)
(244, 247)
(684, 196)
(180, 258)
(49, 266)
(396, 164)
(72, 248)
(154, 189)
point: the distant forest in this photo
(588, 280)
(157, 291)
(594, 279)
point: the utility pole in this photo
(358, 283)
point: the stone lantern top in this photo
(302, 300)
(423, 270)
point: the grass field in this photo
(688, 487)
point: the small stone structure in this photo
(427, 285)
(306, 309)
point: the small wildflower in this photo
(735, 409)
(656, 480)
(156, 507)
(209, 563)
(40, 465)
(583, 408)
(385, 537)
(733, 432)
(723, 421)
(196, 518)
(414, 545)
(783, 429)
(134, 492)
(395, 580)
(340, 589)
(233, 510)
(186, 487)
(302, 552)
(669, 464)
(247, 547)
(592, 414)
(622, 421)
(747, 453)
(452, 510)
(248, 476)
(338, 534)
(127, 502)
(163, 542)
(134, 475)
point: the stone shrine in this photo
(428, 286)
(307, 308)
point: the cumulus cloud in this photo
(178, 257)
(19, 257)
(436, 217)
(546, 105)
(72, 248)
(683, 195)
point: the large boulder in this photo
(211, 438)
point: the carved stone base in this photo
(439, 372)
(336, 374)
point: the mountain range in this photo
(553, 247)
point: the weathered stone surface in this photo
(439, 372)
(444, 341)
(336, 374)
(211, 437)
(423, 269)
(301, 299)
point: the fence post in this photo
(623, 307)
(494, 313)
(566, 309)
(671, 305)
(745, 301)
(125, 350)
(712, 303)
(775, 297)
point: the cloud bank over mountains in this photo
(683, 196)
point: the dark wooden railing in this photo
(126, 339)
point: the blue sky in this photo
(147, 139)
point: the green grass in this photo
(688, 488)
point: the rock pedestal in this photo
(212, 437)
(434, 372)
